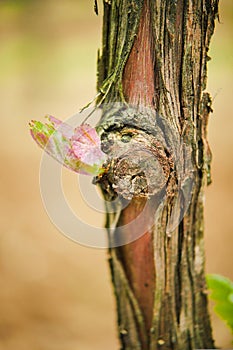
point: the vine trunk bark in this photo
(154, 53)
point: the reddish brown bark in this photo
(138, 77)
(137, 257)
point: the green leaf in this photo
(222, 294)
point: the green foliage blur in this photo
(222, 294)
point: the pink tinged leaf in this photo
(86, 134)
(51, 140)
(40, 132)
(86, 145)
(78, 150)
(65, 129)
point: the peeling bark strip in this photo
(155, 53)
(137, 257)
(138, 75)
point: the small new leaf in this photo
(78, 149)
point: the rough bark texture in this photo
(155, 53)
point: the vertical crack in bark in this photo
(178, 274)
(181, 10)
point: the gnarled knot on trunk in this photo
(138, 165)
(146, 157)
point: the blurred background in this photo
(56, 294)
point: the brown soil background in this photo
(55, 294)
